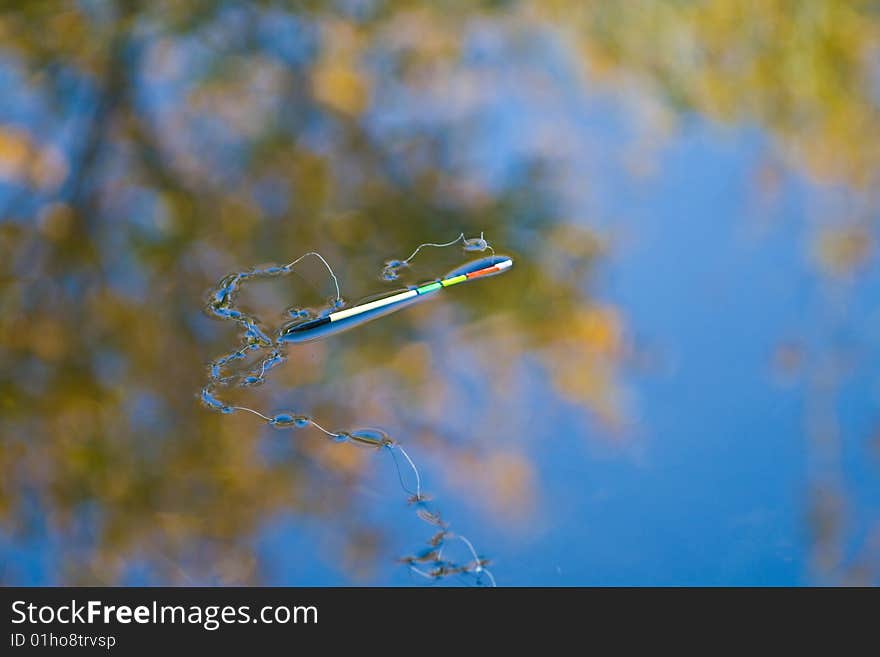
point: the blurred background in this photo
(677, 383)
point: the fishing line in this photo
(331, 319)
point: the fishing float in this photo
(350, 317)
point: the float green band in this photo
(430, 287)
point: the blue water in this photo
(709, 486)
(708, 478)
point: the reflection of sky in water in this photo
(708, 485)
(711, 486)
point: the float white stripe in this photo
(378, 303)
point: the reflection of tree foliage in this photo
(805, 70)
(174, 143)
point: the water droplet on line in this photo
(371, 437)
(287, 419)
